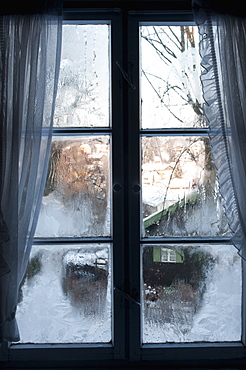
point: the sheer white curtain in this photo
(223, 52)
(29, 65)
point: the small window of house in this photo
(168, 255)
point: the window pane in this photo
(77, 199)
(180, 195)
(196, 298)
(66, 295)
(83, 89)
(171, 94)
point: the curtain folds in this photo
(223, 53)
(29, 65)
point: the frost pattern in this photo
(66, 295)
(76, 199)
(198, 305)
(83, 87)
(180, 195)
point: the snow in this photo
(46, 314)
(153, 195)
(59, 220)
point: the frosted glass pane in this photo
(66, 295)
(77, 197)
(180, 195)
(193, 296)
(83, 87)
(171, 94)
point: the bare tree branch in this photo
(168, 50)
(160, 97)
(161, 55)
(174, 168)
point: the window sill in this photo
(104, 355)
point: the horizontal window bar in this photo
(67, 346)
(72, 240)
(169, 22)
(87, 16)
(74, 352)
(81, 130)
(184, 12)
(221, 351)
(69, 20)
(90, 10)
(193, 345)
(175, 131)
(191, 240)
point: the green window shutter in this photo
(179, 257)
(156, 253)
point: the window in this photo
(132, 257)
(168, 255)
(77, 201)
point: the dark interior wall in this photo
(38, 6)
(236, 7)
(27, 7)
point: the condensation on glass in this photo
(83, 98)
(180, 195)
(191, 293)
(171, 94)
(77, 198)
(65, 296)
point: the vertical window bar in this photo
(134, 187)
